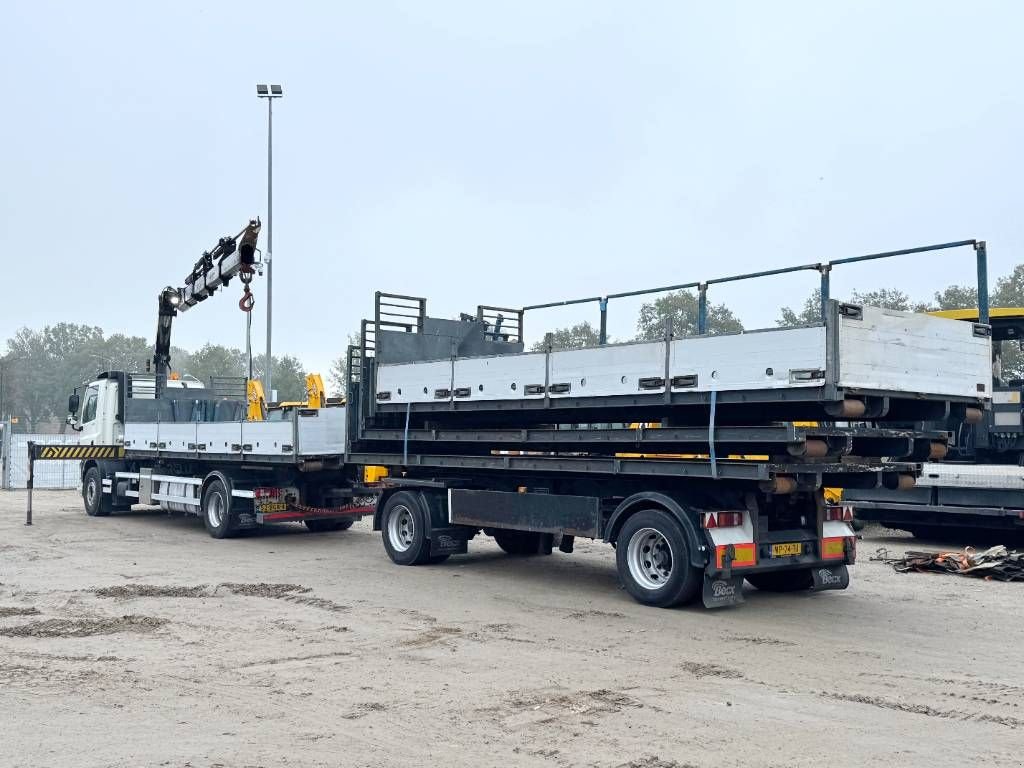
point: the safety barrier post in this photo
(31, 478)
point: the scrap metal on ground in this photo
(997, 563)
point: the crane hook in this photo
(248, 300)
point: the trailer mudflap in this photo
(721, 591)
(448, 541)
(830, 577)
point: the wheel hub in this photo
(401, 528)
(649, 557)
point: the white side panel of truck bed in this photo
(141, 436)
(772, 359)
(498, 377)
(907, 352)
(219, 437)
(617, 369)
(415, 382)
(322, 432)
(176, 436)
(267, 438)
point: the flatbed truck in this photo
(535, 449)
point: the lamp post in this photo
(269, 92)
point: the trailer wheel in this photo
(522, 543)
(782, 581)
(324, 526)
(653, 560)
(403, 529)
(97, 504)
(217, 515)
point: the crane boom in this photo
(231, 257)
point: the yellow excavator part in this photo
(256, 408)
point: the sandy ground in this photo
(137, 640)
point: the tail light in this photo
(722, 519)
(839, 514)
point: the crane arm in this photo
(232, 256)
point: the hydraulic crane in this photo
(232, 256)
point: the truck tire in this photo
(653, 560)
(403, 528)
(782, 581)
(522, 543)
(216, 509)
(325, 526)
(97, 503)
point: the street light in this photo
(269, 93)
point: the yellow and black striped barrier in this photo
(37, 452)
(75, 452)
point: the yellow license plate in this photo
(786, 550)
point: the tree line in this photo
(41, 367)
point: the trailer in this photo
(636, 444)
(979, 487)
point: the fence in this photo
(48, 474)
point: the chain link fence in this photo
(48, 474)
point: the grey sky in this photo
(496, 153)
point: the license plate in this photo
(787, 550)
(266, 501)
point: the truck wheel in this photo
(653, 560)
(97, 504)
(403, 529)
(220, 522)
(522, 543)
(323, 526)
(782, 581)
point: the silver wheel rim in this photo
(649, 557)
(90, 492)
(215, 510)
(401, 528)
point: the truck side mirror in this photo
(73, 403)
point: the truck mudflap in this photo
(721, 591)
(448, 541)
(830, 577)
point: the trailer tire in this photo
(522, 543)
(325, 526)
(782, 581)
(653, 560)
(217, 515)
(97, 503)
(404, 531)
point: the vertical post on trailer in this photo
(603, 336)
(31, 480)
(825, 269)
(702, 308)
(982, 250)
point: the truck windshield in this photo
(89, 408)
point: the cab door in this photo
(91, 427)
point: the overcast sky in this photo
(498, 153)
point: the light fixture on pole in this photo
(269, 92)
